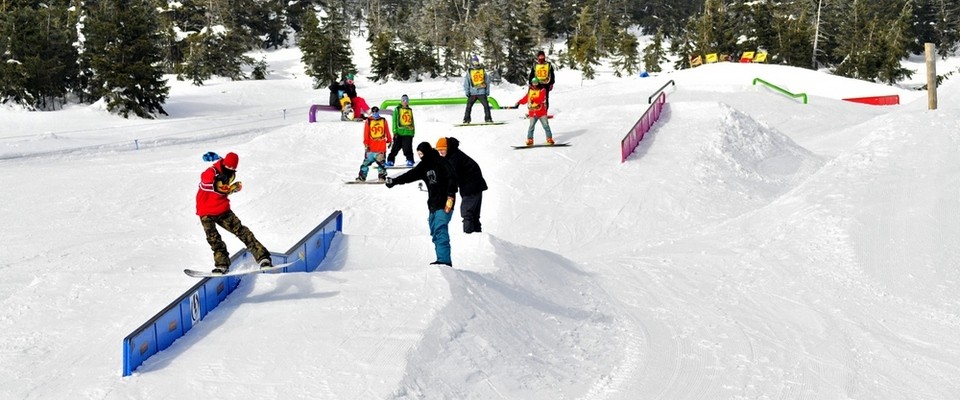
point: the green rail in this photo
(779, 89)
(440, 101)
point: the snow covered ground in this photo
(752, 247)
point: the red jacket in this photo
(376, 135)
(534, 101)
(214, 187)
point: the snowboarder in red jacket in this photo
(536, 109)
(213, 207)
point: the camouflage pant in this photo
(232, 224)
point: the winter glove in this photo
(390, 183)
(450, 202)
(236, 187)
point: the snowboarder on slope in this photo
(476, 86)
(404, 130)
(213, 208)
(536, 110)
(376, 138)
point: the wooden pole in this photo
(931, 55)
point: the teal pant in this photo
(370, 158)
(438, 221)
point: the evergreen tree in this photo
(628, 57)
(583, 44)
(654, 54)
(520, 29)
(384, 57)
(36, 50)
(537, 19)
(946, 26)
(214, 51)
(896, 44)
(669, 15)
(685, 45)
(326, 48)
(123, 48)
(873, 43)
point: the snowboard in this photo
(541, 145)
(399, 166)
(240, 271)
(482, 123)
(372, 182)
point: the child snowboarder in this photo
(441, 183)
(376, 137)
(213, 208)
(534, 99)
(404, 130)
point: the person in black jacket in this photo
(441, 181)
(543, 71)
(470, 181)
(347, 87)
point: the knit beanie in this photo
(441, 143)
(231, 161)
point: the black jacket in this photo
(436, 173)
(552, 77)
(469, 176)
(348, 88)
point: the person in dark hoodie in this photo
(441, 181)
(470, 181)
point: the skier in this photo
(469, 180)
(376, 137)
(543, 71)
(404, 130)
(476, 87)
(441, 181)
(360, 106)
(536, 110)
(213, 208)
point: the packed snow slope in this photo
(752, 246)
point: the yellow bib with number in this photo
(406, 117)
(477, 77)
(376, 128)
(542, 72)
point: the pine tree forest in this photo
(123, 51)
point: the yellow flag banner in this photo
(761, 57)
(711, 58)
(746, 57)
(696, 61)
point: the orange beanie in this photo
(441, 144)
